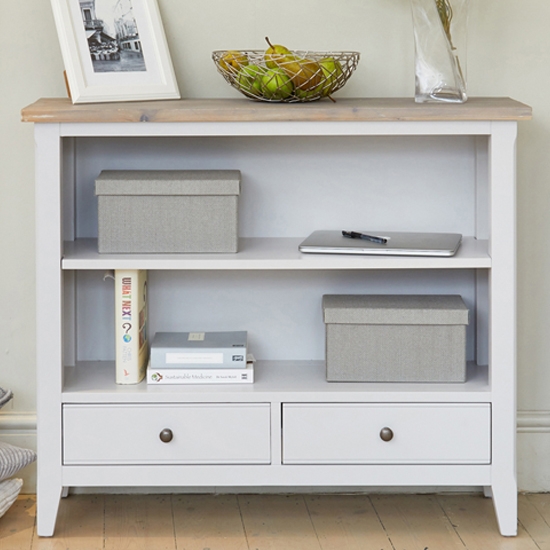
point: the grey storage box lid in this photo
(168, 182)
(395, 338)
(168, 211)
(394, 309)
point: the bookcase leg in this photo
(487, 491)
(47, 506)
(64, 492)
(505, 501)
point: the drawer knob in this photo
(386, 434)
(166, 435)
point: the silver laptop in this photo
(397, 243)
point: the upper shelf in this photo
(270, 253)
(61, 110)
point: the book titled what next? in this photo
(131, 347)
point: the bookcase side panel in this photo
(49, 336)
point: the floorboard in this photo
(534, 516)
(346, 522)
(474, 519)
(277, 522)
(17, 526)
(139, 522)
(205, 521)
(274, 522)
(416, 522)
(80, 524)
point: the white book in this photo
(130, 325)
(244, 375)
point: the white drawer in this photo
(350, 433)
(201, 434)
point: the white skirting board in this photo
(533, 450)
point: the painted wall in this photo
(508, 55)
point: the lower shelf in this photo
(275, 381)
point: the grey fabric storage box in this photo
(168, 211)
(395, 338)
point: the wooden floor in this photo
(277, 522)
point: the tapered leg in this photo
(47, 506)
(505, 501)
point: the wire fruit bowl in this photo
(299, 77)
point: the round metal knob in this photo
(386, 434)
(166, 435)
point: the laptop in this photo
(397, 244)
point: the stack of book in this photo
(200, 358)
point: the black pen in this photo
(371, 238)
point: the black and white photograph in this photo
(112, 35)
(114, 50)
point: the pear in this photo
(309, 95)
(249, 79)
(332, 72)
(276, 84)
(232, 61)
(275, 54)
(305, 74)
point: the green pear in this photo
(276, 84)
(275, 54)
(309, 95)
(249, 79)
(332, 73)
(305, 74)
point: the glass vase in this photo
(440, 32)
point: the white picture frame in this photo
(114, 50)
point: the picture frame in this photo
(114, 50)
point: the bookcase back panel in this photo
(280, 310)
(294, 185)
